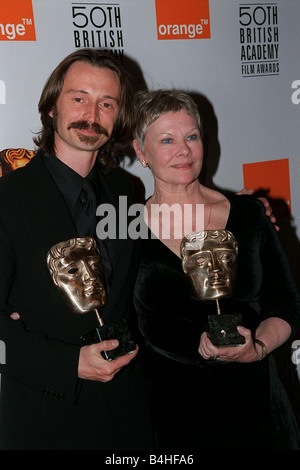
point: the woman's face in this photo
(173, 149)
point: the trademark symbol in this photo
(27, 21)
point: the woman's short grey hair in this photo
(150, 105)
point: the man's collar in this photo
(68, 181)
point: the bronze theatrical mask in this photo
(75, 268)
(209, 259)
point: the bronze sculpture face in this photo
(76, 271)
(209, 260)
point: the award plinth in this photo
(222, 329)
(119, 331)
(75, 268)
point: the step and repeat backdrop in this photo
(239, 60)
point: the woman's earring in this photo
(144, 163)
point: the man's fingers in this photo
(108, 345)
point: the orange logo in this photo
(16, 21)
(272, 177)
(177, 19)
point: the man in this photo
(55, 392)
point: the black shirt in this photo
(70, 183)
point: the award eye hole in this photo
(93, 262)
(95, 267)
(201, 260)
(227, 258)
(73, 271)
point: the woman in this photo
(236, 400)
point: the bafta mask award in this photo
(209, 260)
(75, 268)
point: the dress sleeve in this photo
(280, 296)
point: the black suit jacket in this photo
(43, 403)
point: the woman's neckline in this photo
(176, 251)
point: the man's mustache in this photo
(86, 125)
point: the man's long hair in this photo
(113, 151)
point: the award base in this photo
(117, 331)
(223, 330)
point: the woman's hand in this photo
(248, 352)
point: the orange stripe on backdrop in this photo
(272, 177)
(17, 21)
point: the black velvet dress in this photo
(207, 405)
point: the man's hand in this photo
(92, 366)
(265, 202)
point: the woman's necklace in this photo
(181, 226)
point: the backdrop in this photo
(240, 61)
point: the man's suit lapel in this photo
(122, 251)
(43, 211)
(110, 195)
(47, 221)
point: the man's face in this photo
(211, 266)
(79, 279)
(87, 108)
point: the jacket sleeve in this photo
(279, 293)
(31, 357)
(266, 272)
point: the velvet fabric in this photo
(202, 404)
